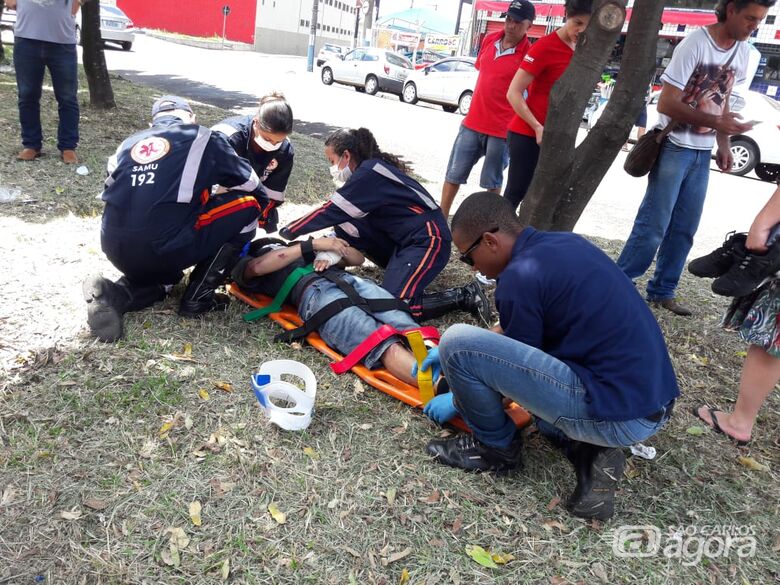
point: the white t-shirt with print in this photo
(697, 68)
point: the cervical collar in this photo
(268, 384)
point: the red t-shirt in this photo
(546, 60)
(490, 112)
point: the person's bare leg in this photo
(448, 193)
(399, 361)
(760, 373)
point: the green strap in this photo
(281, 296)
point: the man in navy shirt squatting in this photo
(576, 346)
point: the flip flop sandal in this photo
(716, 427)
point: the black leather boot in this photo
(470, 298)
(200, 296)
(598, 471)
(108, 301)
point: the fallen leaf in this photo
(179, 537)
(404, 577)
(166, 428)
(187, 351)
(550, 524)
(359, 388)
(457, 526)
(277, 514)
(776, 544)
(195, 509)
(72, 514)
(390, 495)
(225, 571)
(751, 463)
(177, 357)
(366, 426)
(742, 354)
(224, 386)
(557, 580)
(481, 556)
(296, 345)
(352, 551)
(397, 556)
(701, 360)
(8, 496)
(333, 503)
(203, 393)
(695, 431)
(554, 502)
(59, 190)
(188, 422)
(433, 498)
(501, 558)
(600, 572)
(171, 556)
(95, 504)
(311, 453)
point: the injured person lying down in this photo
(346, 310)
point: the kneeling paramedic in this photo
(353, 315)
(161, 218)
(577, 347)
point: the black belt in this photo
(658, 416)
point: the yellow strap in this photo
(424, 377)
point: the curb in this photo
(200, 43)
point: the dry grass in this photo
(80, 435)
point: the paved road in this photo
(422, 134)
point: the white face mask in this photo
(340, 176)
(266, 145)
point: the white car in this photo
(327, 52)
(115, 27)
(757, 149)
(449, 82)
(369, 69)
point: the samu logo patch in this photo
(149, 150)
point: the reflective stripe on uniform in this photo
(347, 206)
(226, 129)
(275, 195)
(192, 165)
(382, 170)
(226, 209)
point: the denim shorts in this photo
(346, 330)
(468, 148)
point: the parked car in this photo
(757, 149)
(369, 69)
(115, 27)
(449, 82)
(421, 59)
(329, 51)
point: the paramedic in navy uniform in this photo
(262, 140)
(161, 218)
(381, 211)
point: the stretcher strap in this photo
(281, 296)
(370, 342)
(424, 377)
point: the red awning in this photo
(542, 9)
(696, 18)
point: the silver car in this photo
(369, 69)
(449, 82)
(115, 27)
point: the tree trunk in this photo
(566, 177)
(2, 48)
(101, 94)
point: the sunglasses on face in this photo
(466, 256)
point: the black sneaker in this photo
(598, 471)
(718, 262)
(106, 303)
(468, 453)
(477, 303)
(748, 274)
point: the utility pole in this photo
(368, 19)
(312, 36)
(460, 11)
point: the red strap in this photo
(385, 331)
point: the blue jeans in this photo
(483, 367)
(347, 329)
(667, 219)
(468, 148)
(31, 58)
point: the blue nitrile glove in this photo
(440, 408)
(431, 361)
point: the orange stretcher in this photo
(380, 378)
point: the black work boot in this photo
(466, 452)
(718, 262)
(598, 470)
(107, 301)
(749, 271)
(200, 296)
(470, 298)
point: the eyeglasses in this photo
(466, 256)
